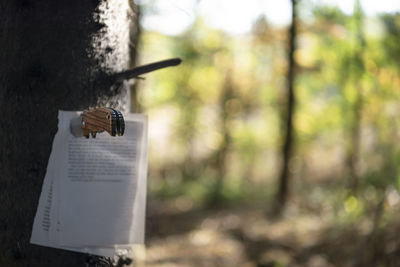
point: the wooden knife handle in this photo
(102, 119)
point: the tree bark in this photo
(134, 38)
(355, 137)
(47, 63)
(288, 141)
(220, 156)
(353, 155)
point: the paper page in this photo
(44, 220)
(93, 196)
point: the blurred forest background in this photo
(219, 139)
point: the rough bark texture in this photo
(46, 63)
(288, 142)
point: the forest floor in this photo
(248, 237)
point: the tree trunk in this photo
(54, 55)
(134, 38)
(355, 137)
(353, 155)
(220, 156)
(288, 146)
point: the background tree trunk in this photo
(220, 156)
(355, 137)
(134, 38)
(288, 116)
(47, 62)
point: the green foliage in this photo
(219, 112)
(391, 40)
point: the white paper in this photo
(94, 192)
